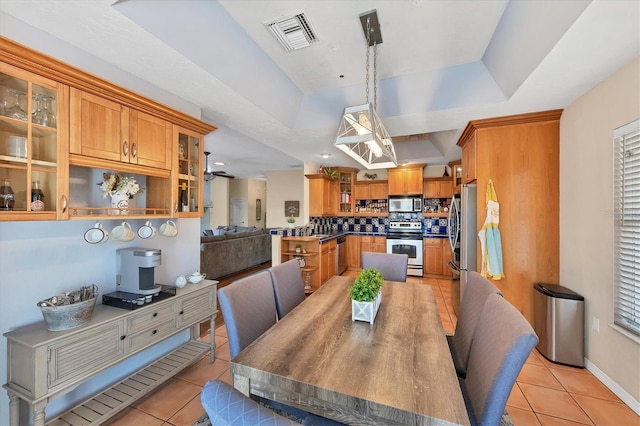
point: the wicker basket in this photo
(65, 317)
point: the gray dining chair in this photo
(501, 344)
(476, 292)
(393, 267)
(248, 309)
(288, 286)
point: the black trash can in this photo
(558, 320)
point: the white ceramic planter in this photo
(365, 311)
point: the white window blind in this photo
(627, 226)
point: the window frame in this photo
(627, 227)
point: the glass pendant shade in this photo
(362, 136)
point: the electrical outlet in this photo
(595, 324)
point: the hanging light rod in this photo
(361, 134)
(375, 35)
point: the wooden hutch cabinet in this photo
(520, 154)
(93, 127)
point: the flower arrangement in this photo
(117, 184)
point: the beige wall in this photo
(586, 220)
(218, 211)
(286, 185)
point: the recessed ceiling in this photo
(441, 64)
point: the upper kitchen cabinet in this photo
(456, 174)
(346, 179)
(34, 136)
(438, 188)
(188, 160)
(406, 180)
(107, 130)
(520, 155)
(323, 195)
(371, 198)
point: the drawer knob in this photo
(123, 337)
(181, 312)
(155, 314)
(154, 331)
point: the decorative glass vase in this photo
(119, 204)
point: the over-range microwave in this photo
(400, 204)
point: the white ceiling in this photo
(441, 64)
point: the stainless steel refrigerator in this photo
(462, 229)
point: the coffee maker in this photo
(136, 270)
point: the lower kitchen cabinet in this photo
(353, 252)
(436, 255)
(42, 364)
(327, 261)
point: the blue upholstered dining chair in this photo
(501, 345)
(248, 309)
(475, 294)
(226, 406)
(287, 286)
(393, 267)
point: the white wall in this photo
(217, 212)
(42, 259)
(586, 220)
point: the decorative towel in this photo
(489, 235)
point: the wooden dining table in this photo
(397, 370)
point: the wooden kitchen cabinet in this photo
(105, 129)
(346, 180)
(327, 260)
(456, 175)
(436, 256)
(353, 251)
(373, 243)
(41, 365)
(323, 195)
(520, 154)
(468, 158)
(371, 198)
(34, 147)
(310, 259)
(438, 188)
(406, 180)
(432, 256)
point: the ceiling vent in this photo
(293, 32)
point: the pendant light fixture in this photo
(361, 134)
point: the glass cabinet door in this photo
(32, 122)
(189, 146)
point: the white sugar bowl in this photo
(181, 281)
(196, 277)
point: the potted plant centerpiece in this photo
(366, 295)
(291, 220)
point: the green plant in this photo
(333, 174)
(291, 219)
(366, 286)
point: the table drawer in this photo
(150, 336)
(150, 316)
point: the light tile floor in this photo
(545, 393)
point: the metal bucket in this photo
(65, 317)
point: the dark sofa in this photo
(233, 251)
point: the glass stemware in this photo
(15, 111)
(43, 114)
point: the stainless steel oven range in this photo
(406, 238)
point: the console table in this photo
(42, 364)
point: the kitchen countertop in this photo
(334, 235)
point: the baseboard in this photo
(613, 386)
